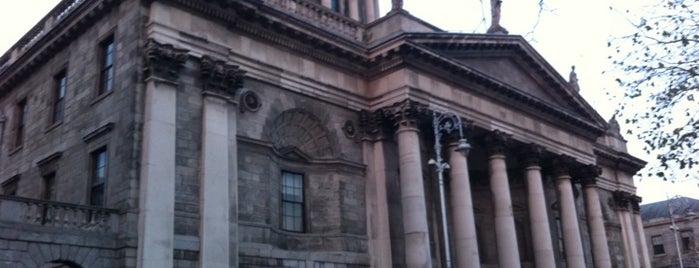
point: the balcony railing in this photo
(55, 214)
(321, 16)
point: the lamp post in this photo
(445, 123)
(674, 227)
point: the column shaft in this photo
(157, 178)
(642, 245)
(572, 241)
(595, 221)
(505, 233)
(417, 242)
(538, 218)
(464, 225)
(630, 245)
(215, 217)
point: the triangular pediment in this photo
(511, 65)
(509, 71)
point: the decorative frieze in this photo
(219, 77)
(163, 60)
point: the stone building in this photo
(665, 241)
(298, 133)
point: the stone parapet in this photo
(28, 211)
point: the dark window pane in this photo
(99, 177)
(292, 202)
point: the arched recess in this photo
(298, 134)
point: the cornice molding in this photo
(37, 53)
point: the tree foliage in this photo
(660, 67)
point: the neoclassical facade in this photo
(300, 133)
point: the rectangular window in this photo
(49, 187)
(687, 241)
(335, 5)
(98, 176)
(21, 122)
(292, 202)
(9, 187)
(107, 67)
(59, 93)
(658, 247)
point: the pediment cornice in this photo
(409, 54)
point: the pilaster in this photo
(157, 175)
(218, 178)
(375, 131)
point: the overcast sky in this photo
(568, 33)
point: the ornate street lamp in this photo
(445, 123)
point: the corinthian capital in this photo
(587, 174)
(163, 60)
(217, 76)
(496, 142)
(406, 113)
(530, 155)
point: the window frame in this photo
(93, 182)
(299, 220)
(658, 249)
(11, 186)
(687, 240)
(49, 187)
(107, 50)
(22, 110)
(59, 92)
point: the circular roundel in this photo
(250, 101)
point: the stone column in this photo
(505, 232)
(417, 241)
(372, 10)
(157, 176)
(621, 203)
(463, 222)
(572, 241)
(640, 234)
(373, 142)
(220, 82)
(595, 219)
(353, 9)
(538, 213)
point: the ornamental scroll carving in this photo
(163, 60)
(220, 77)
